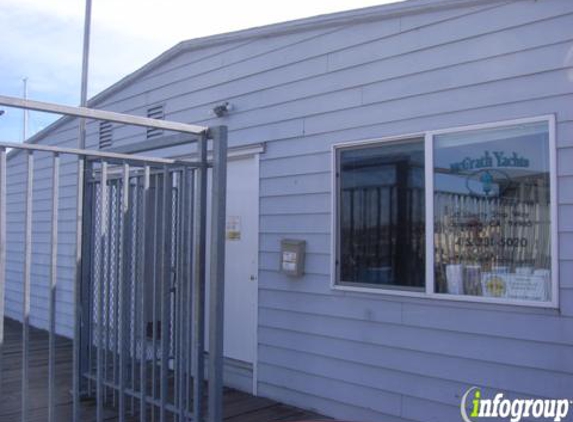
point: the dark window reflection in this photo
(381, 215)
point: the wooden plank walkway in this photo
(237, 406)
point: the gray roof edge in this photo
(381, 12)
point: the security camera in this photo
(222, 109)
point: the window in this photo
(381, 209)
(459, 214)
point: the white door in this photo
(241, 258)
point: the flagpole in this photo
(85, 67)
(25, 111)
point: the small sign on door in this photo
(233, 227)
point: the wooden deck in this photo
(238, 406)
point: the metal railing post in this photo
(27, 280)
(123, 287)
(142, 280)
(53, 287)
(103, 234)
(198, 329)
(217, 282)
(165, 292)
(78, 294)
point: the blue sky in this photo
(42, 41)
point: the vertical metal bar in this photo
(181, 288)
(78, 295)
(103, 234)
(176, 195)
(165, 262)
(116, 264)
(2, 253)
(217, 276)
(189, 298)
(124, 273)
(26, 298)
(86, 235)
(53, 287)
(135, 210)
(143, 277)
(199, 280)
(107, 293)
(156, 235)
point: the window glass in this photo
(492, 213)
(381, 216)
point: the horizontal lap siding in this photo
(417, 356)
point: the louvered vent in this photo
(155, 112)
(105, 135)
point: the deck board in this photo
(237, 406)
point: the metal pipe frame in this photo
(184, 327)
(111, 116)
(217, 274)
(96, 154)
(199, 275)
(143, 276)
(165, 291)
(53, 287)
(125, 261)
(102, 234)
(27, 281)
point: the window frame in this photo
(429, 291)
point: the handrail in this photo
(97, 154)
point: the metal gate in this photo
(140, 223)
(141, 265)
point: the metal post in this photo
(182, 287)
(53, 287)
(185, 219)
(107, 293)
(217, 282)
(155, 275)
(165, 288)
(188, 256)
(25, 112)
(142, 278)
(122, 279)
(103, 234)
(198, 310)
(116, 263)
(27, 273)
(2, 252)
(132, 297)
(84, 305)
(78, 360)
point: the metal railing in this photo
(158, 210)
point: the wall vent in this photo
(155, 112)
(105, 135)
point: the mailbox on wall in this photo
(292, 257)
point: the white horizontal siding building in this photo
(345, 130)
